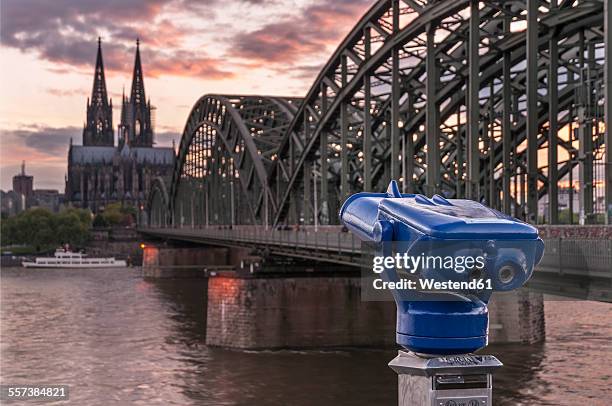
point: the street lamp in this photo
(316, 173)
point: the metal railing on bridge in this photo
(327, 243)
(574, 267)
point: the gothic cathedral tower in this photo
(98, 130)
(135, 128)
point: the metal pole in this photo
(553, 111)
(344, 192)
(316, 203)
(367, 118)
(506, 124)
(323, 154)
(585, 138)
(432, 175)
(473, 154)
(532, 110)
(206, 202)
(409, 153)
(492, 202)
(571, 163)
(307, 196)
(459, 141)
(395, 90)
(404, 168)
(608, 110)
(233, 207)
(191, 204)
(266, 210)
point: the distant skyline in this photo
(188, 48)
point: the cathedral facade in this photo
(101, 171)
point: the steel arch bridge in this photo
(500, 101)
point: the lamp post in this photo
(316, 173)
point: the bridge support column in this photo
(175, 262)
(282, 311)
(516, 317)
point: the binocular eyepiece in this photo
(444, 243)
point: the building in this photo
(23, 184)
(12, 203)
(49, 199)
(24, 196)
(101, 171)
(18, 199)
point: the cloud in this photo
(44, 149)
(65, 32)
(186, 63)
(41, 140)
(65, 92)
(165, 138)
(309, 33)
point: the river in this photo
(117, 339)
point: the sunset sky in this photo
(188, 48)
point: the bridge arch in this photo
(398, 89)
(455, 98)
(157, 213)
(227, 148)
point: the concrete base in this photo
(295, 311)
(516, 317)
(461, 379)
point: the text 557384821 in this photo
(33, 392)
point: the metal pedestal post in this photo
(452, 380)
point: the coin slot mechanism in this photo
(446, 382)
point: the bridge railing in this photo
(571, 267)
(569, 255)
(326, 240)
(578, 256)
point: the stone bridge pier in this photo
(162, 261)
(316, 309)
(516, 317)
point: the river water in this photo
(117, 339)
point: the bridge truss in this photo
(500, 101)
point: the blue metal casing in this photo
(444, 322)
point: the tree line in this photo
(42, 229)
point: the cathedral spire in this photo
(139, 128)
(99, 124)
(98, 94)
(138, 90)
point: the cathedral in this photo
(102, 172)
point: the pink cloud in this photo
(310, 33)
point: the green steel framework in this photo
(461, 98)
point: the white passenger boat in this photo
(64, 258)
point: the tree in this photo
(42, 229)
(71, 229)
(99, 221)
(112, 214)
(115, 214)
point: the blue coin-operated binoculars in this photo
(441, 327)
(504, 252)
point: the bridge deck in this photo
(572, 267)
